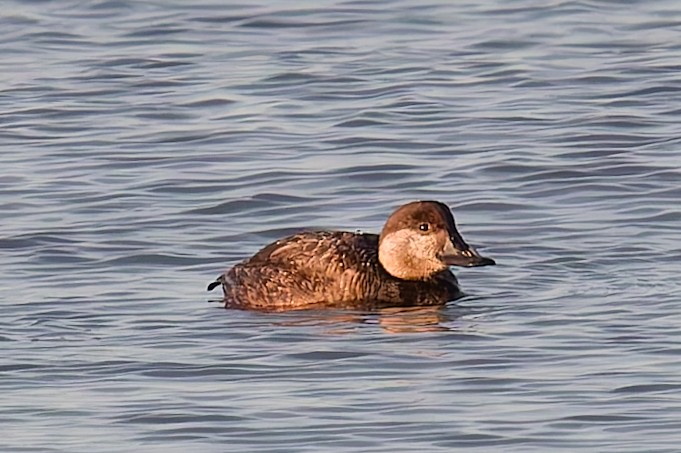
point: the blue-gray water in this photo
(146, 146)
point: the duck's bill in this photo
(464, 256)
(468, 258)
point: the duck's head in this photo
(420, 239)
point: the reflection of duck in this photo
(406, 265)
(412, 319)
(398, 320)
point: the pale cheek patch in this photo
(424, 247)
(410, 255)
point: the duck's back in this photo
(306, 270)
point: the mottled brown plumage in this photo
(406, 265)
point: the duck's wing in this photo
(296, 252)
(319, 250)
(304, 269)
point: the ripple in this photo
(147, 148)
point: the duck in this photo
(407, 264)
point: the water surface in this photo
(146, 146)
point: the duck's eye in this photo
(424, 227)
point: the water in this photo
(145, 147)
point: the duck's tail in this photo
(218, 281)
